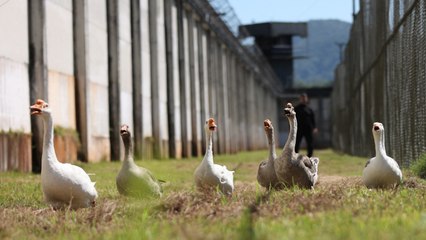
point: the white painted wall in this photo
(125, 61)
(196, 80)
(97, 77)
(14, 96)
(62, 99)
(60, 64)
(205, 77)
(176, 86)
(59, 42)
(14, 31)
(187, 85)
(162, 70)
(14, 83)
(146, 70)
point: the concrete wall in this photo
(14, 85)
(15, 148)
(176, 86)
(158, 79)
(186, 91)
(97, 80)
(194, 84)
(125, 63)
(146, 79)
(60, 64)
(191, 68)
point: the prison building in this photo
(160, 66)
(275, 41)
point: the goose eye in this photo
(46, 105)
(207, 122)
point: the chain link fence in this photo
(383, 78)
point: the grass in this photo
(339, 207)
(419, 167)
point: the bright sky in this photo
(249, 11)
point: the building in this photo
(275, 40)
(160, 66)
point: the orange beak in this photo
(212, 124)
(37, 107)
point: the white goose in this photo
(210, 175)
(266, 172)
(292, 168)
(133, 180)
(63, 184)
(381, 170)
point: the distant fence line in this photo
(160, 66)
(383, 78)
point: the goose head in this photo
(210, 125)
(40, 107)
(125, 133)
(378, 129)
(267, 124)
(289, 111)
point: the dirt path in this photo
(326, 181)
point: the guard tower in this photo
(275, 41)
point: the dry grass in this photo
(23, 221)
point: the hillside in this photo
(321, 50)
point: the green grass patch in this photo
(419, 167)
(339, 207)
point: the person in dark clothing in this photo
(305, 124)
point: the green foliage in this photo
(66, 132)
(419, 167)
(246, 229)
(339, 207)
(15, 132)
(60, 131)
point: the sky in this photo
(254, 11)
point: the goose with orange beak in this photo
(63, 184)
(209, 175)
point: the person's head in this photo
(304, 98)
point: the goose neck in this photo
(48, 155)
(208, 157)
(128, 150)
(291, 140)
(271, 142)
(379, 142)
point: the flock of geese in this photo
(67, 185)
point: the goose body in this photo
(266, 175)
(381, 170)
(211, 175)
(292, 168)
(63, 184)
(133, 180)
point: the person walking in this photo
(305, 124)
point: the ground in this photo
(338, 208)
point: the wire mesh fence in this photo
(383, 78)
